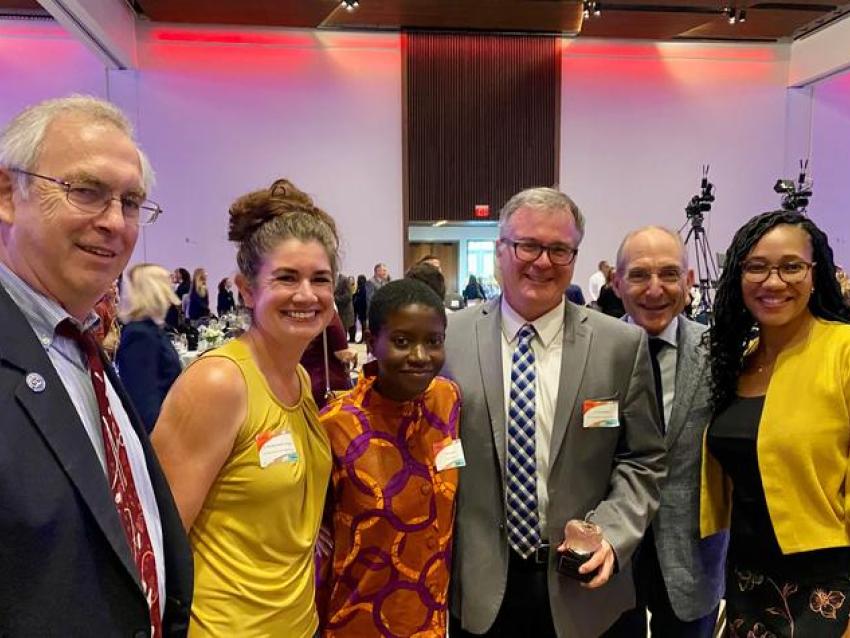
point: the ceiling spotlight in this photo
(350, 5)
(735, 15)
(591, 8)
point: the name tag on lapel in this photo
(600, 414)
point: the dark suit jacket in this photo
(65, 566)
(148, 365)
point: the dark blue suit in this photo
(148, 364)
(65, 566)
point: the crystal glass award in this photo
(582, 539)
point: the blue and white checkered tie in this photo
(523, 520)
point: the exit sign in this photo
(482, 211)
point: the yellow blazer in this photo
(803, 446)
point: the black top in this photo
(473, 290)
(361, 300)
(224, 302)
(183, 288)
(174, 317)
(609, 302)
(732, 438)
(199, 307)
(148, 364)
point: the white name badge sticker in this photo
(601, 414)
(449, 454)
(276, 448)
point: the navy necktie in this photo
(522, 515)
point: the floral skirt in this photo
(766, 606)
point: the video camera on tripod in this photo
(795, 196)
(701, 202)
(706, 268)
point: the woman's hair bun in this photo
(251, 211)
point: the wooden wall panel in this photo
(481, 120)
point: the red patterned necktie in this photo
(120, 475)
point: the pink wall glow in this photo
(639, 120)
(40, 61)
(220, 119)
(225, 111)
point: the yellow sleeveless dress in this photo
(253, 539)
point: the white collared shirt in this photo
(594, 284)
(547, 346)
(667, 358)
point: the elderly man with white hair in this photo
(90, 540)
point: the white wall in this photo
(830, 162)
(821, 54)
(639, 119)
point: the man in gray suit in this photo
(678, 576)
(559, 422)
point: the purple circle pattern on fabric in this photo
(393, 512)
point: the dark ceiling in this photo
(766, 20)
(22, 8)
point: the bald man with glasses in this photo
(679, 577)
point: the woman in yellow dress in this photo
(239, 437)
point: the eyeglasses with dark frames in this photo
(95, 198)
(530, 251)
(791, 272)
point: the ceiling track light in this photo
(349, 5)
(735, 15)
(591, 8)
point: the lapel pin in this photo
(36, 382)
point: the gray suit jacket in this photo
(692, 569)
(614, 471)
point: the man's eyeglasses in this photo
(791, 272)
(642, 276)
(95, 198)
(530, 251)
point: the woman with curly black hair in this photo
(775, 465)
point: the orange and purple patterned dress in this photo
(393, 512)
